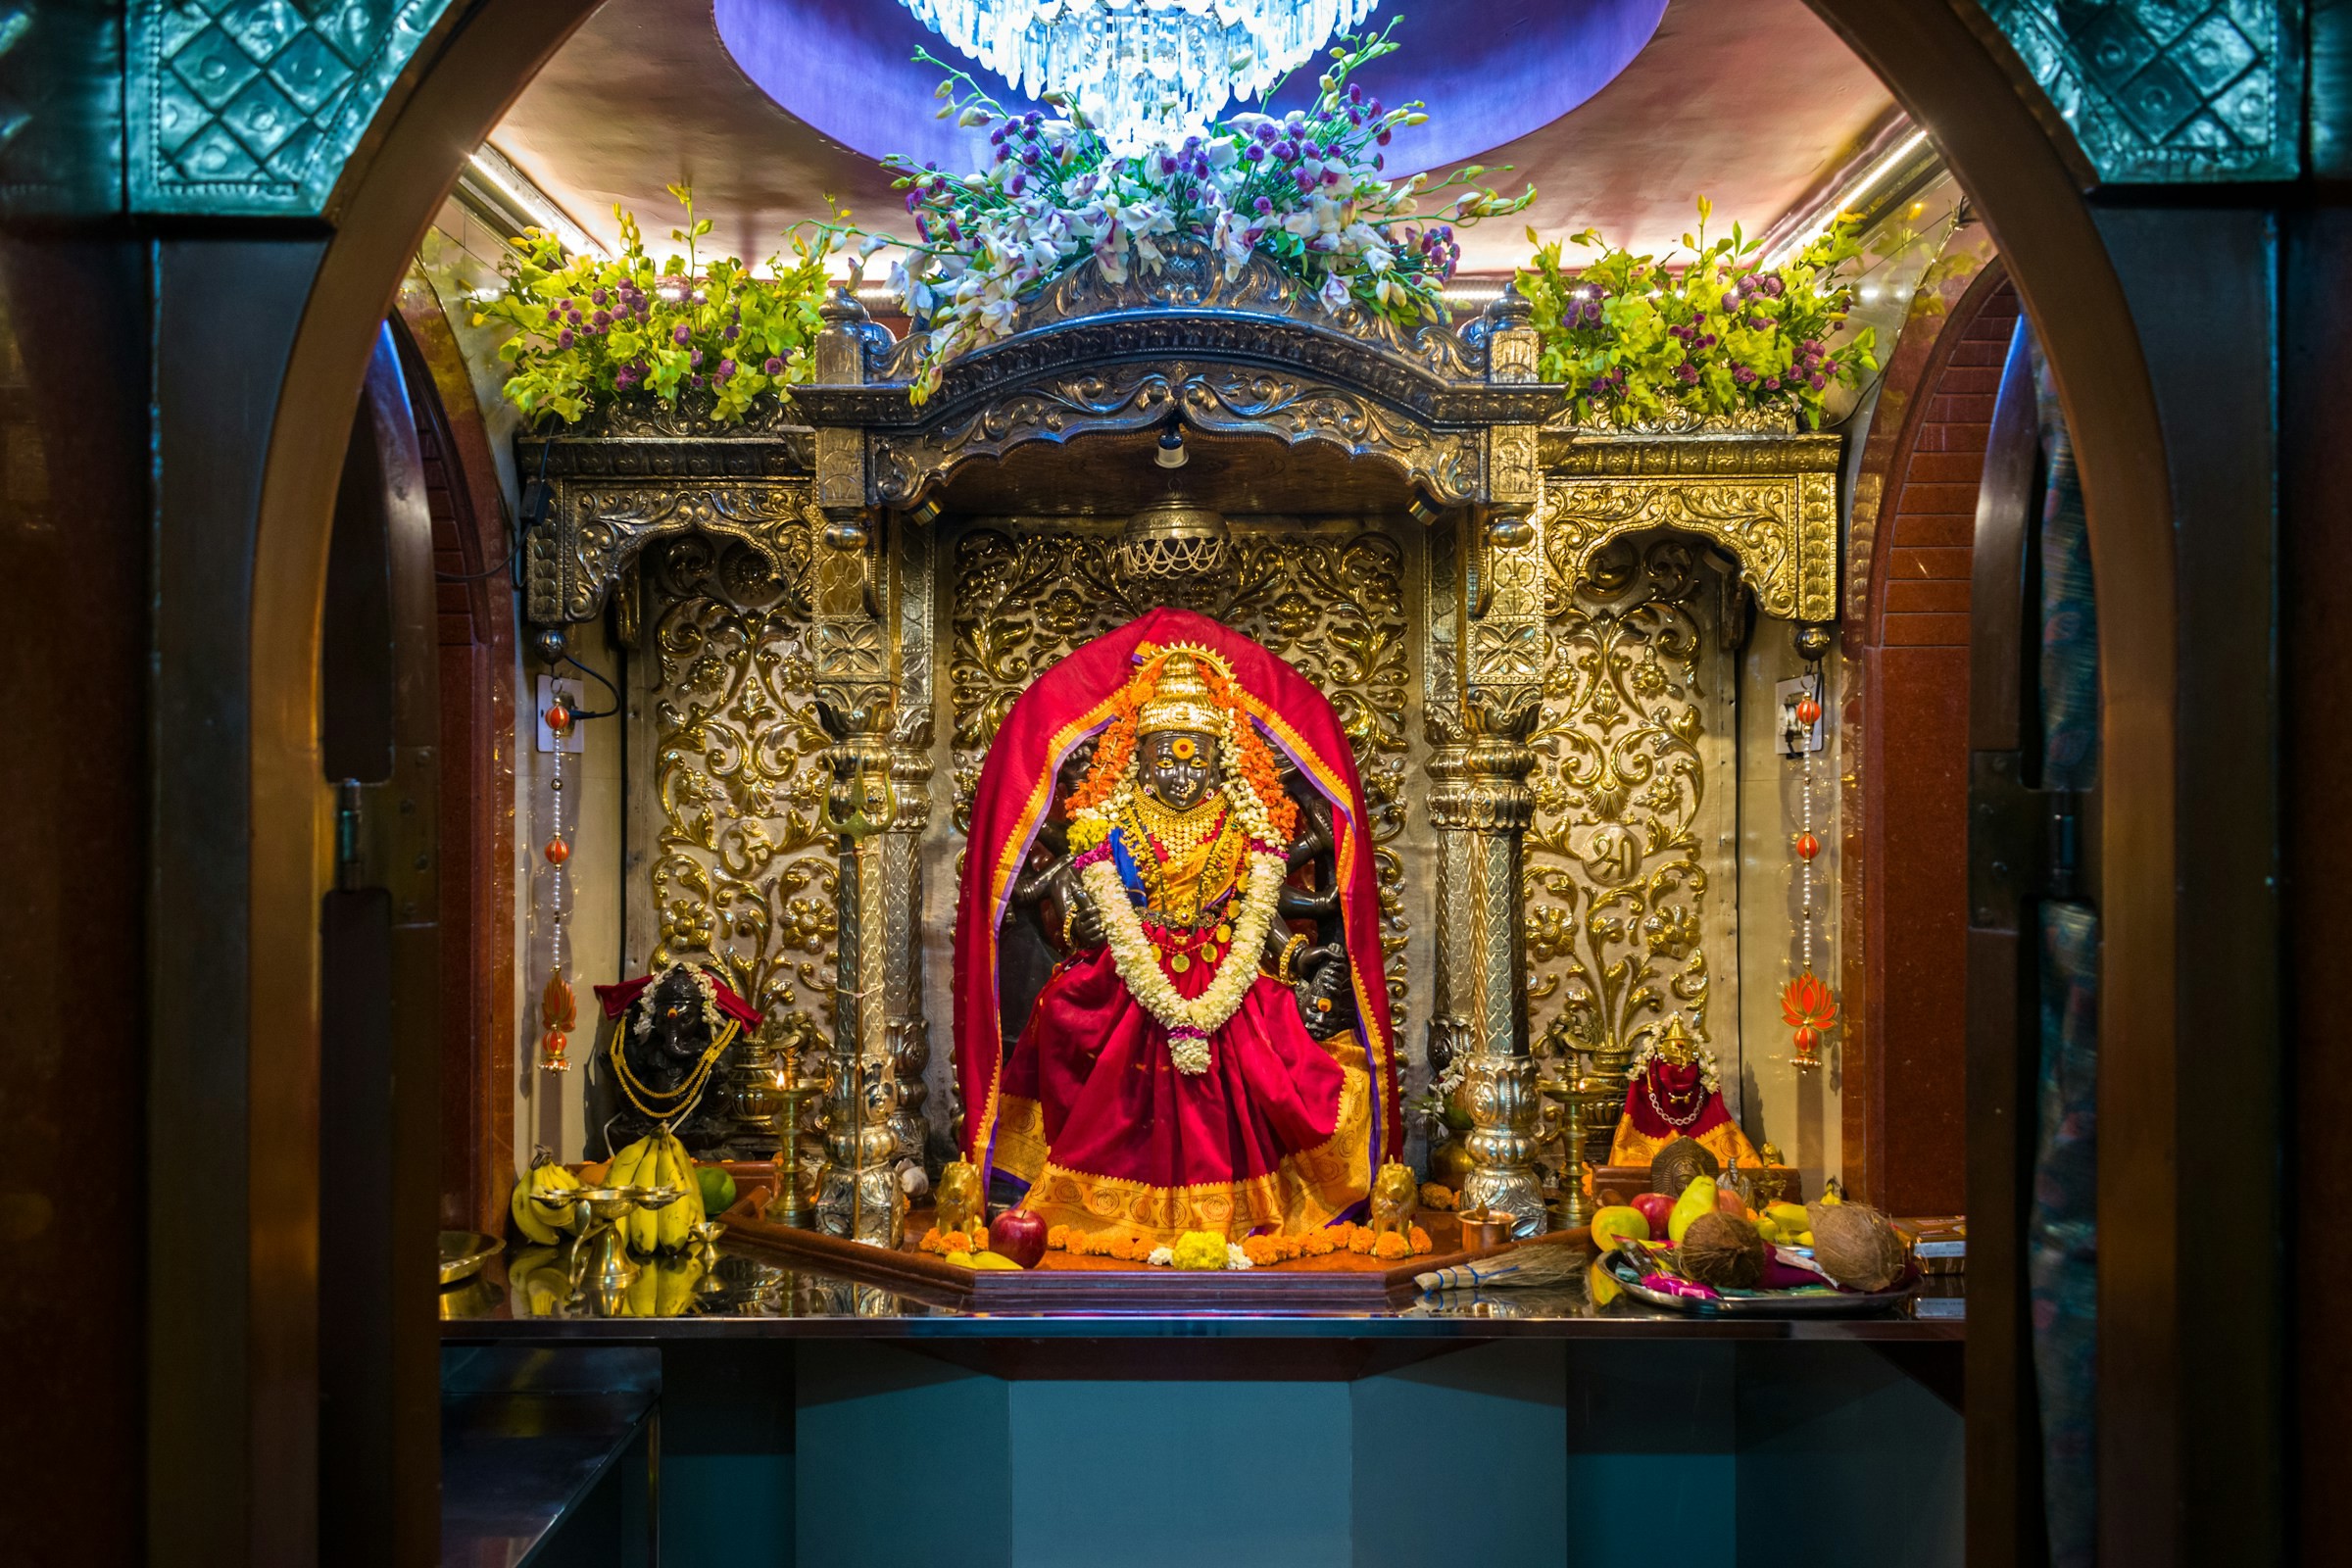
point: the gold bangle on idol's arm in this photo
(1290, 954)
(1069, 918)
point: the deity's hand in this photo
(1084, 921)
(1326, 1000)
(1294, 902)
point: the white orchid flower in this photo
(1334, 294)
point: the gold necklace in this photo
(1179, 832)
(690, 1091)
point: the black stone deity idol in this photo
(667, 1058)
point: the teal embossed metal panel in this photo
(253, 106)
(2161, 91)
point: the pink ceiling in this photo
(1749, 101)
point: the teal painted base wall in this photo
(846, 1454)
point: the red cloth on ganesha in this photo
(1086, 1106)
(616, 998)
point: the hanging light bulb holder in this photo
(1170, 453)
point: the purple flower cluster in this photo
(607, 307)
(1439, 250)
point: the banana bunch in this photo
(658, 1160)
(539, 1224)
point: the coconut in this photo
(1722, 1251)
(1675, 1166)
(1855, 1246)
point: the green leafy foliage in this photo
(591, 332)
(1638, 339)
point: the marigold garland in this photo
(1251, 1251)
(935, 1241)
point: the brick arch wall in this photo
(1906, 1095)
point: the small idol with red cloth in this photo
(676, 1026)
(1673, 1092)
(1212, 1049)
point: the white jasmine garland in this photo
(1189, 1022)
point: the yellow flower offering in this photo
(1199, 1250)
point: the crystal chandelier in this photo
(1145, 72)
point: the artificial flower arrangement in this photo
(1639, 340)
(591, 332)
(1307, 190)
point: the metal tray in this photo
(1776, 1304)
(463, 1253)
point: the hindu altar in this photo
(1278, 732)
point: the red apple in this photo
(1021, 1234)
(1726, 1199)
(1654, 1207)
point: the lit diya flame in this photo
(1809, 1006)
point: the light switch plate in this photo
(1786, 695)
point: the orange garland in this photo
(1263, 1252)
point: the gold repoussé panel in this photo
(740, 865)
(1620, 856)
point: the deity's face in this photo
(1177, 768)
(678, 1027)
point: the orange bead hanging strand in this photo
(1807, 1004)
(556, 1007)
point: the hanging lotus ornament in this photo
(559, 1014)
(1810, 1007)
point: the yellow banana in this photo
(550, 1177)
(624, 1171)
(666, 1218)
(696, 1211)
(679, 1219)
(528, 1219)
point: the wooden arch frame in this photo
(1983, 110)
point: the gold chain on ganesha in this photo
(690, 1093)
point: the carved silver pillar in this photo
(861, 1196)
(907, 1036)
(1490, 659)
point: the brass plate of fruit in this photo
(463, 1253)
(1626, 1270)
